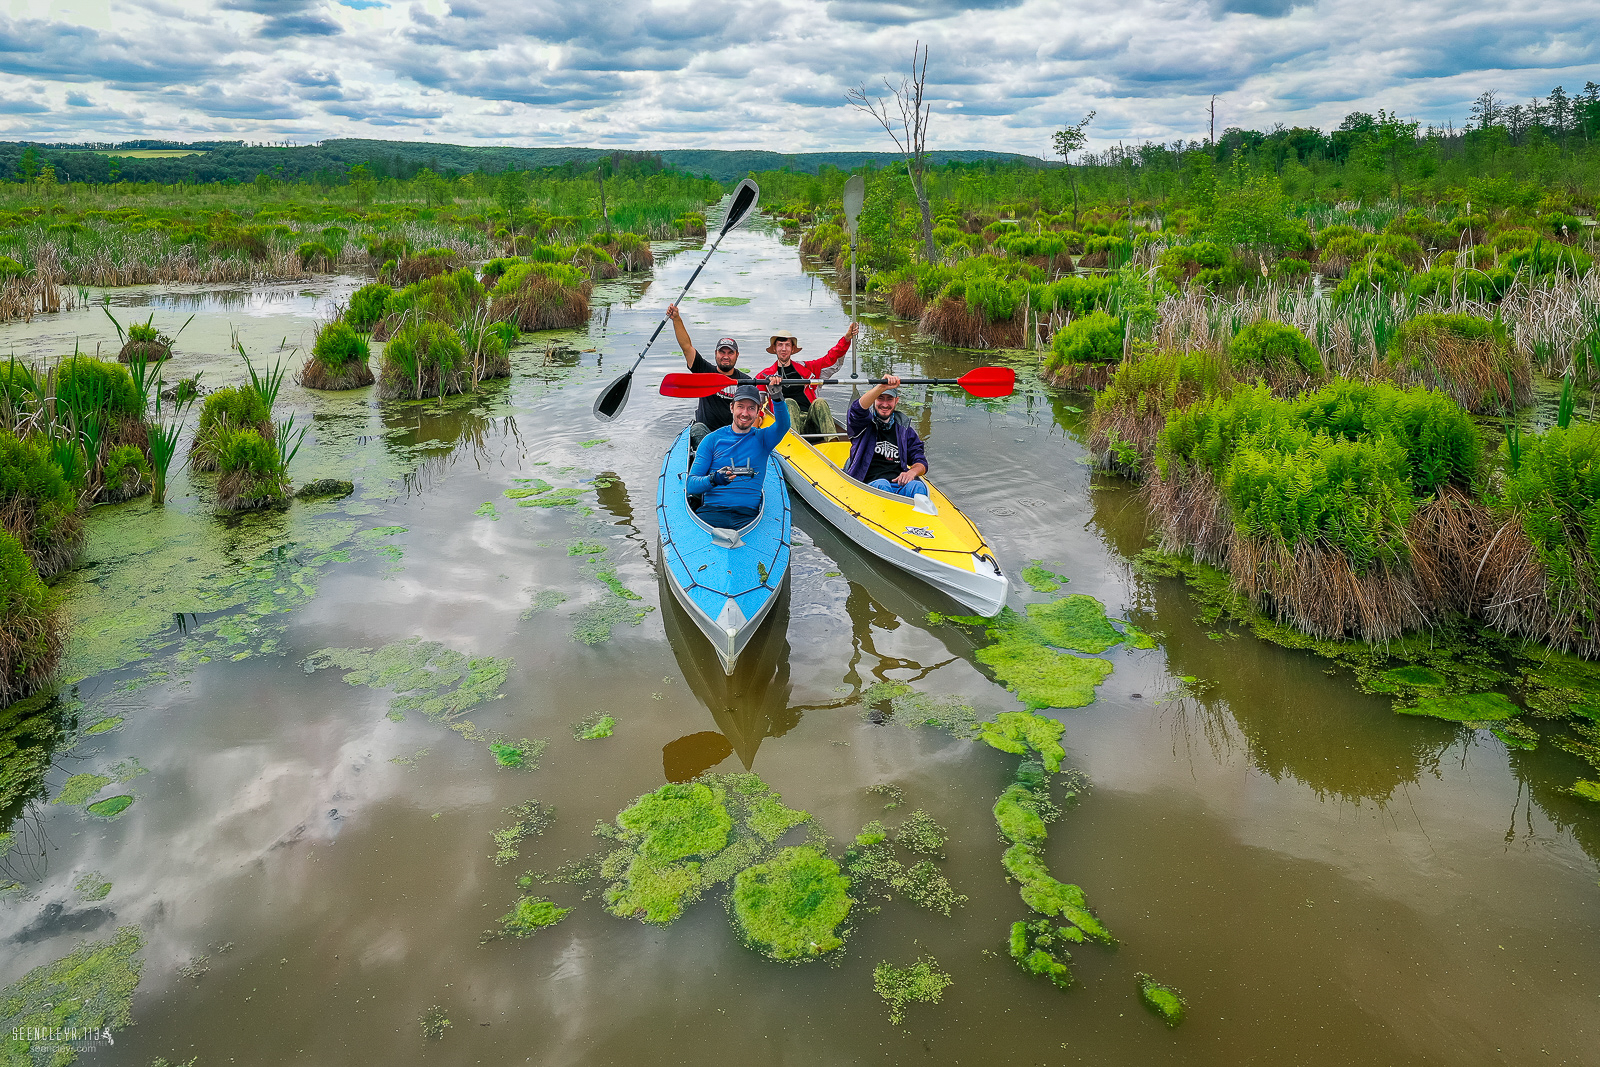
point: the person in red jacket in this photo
(808, 413)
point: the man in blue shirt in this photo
(732, 500)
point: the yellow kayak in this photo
(928, 536)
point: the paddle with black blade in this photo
(614, 397)
(981, 382)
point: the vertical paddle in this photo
(614, 397)
(855, 195)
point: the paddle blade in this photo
(855, 195)
(613, 398)
(741, 205)
(693, 386)
(989, 381)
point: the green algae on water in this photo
(529, 915)
(90, 990)
(1020, 732)
(591, 442)
(907, 707)
(612, 582)
(425, 676)
(1077, 622)
(110, 807)
(1165, 1001)
(1586, 790)
(529, 819)
(555, 498)
(1040, 949)
(919, 833)
(93, 886)
(892, 795)
(1042, 677)
(584, 548)
(522, 754)
(80, 787)
(534, 487)
(105, 725)
(1042, 580)
(544, 600)
(1415, 675)
(487, 510)
(434, 1022)
(592, 625)
(790, 907)
(873, 867)
(593, 728)
(921, 983)
(1135, 637)
(1468, 709)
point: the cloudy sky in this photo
(760, 73)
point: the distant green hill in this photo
(330, 160)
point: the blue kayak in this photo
(727, 580)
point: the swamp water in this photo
(323, 718)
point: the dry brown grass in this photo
(351, 375)
(950, 321)
(244, 490)
(904, 301)
(149, 351)
(542, 304)
(30, 648)
(415, 268)
(1090, 377)
(1477, 374)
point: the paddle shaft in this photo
(664, 318)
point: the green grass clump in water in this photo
(88, 990)
(1464, 708)
(920, 983)
(523, 754)
(530, 915)
(441, 683)
(1077, 622)
(110, 807)
(80, 787)
(1586, 790)
(790, 908)
(1163, 1000)
(109, 723)
(594, 728)
(677, 821)
(529, 820)
(1018, 732)
(93, 886)
(1042, 580)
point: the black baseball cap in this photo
(746, 391)
(727, 342)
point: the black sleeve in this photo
(701, 365)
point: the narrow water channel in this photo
(312, 866)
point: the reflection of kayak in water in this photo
(748, 705)
(726, 580)
(928, 536)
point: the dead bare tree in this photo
(911, 138)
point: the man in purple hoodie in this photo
(885, 451)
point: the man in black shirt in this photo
(715, 411)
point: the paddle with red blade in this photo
(741, 205)
(982, 381)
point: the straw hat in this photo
(772, 345)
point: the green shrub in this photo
(237, 406)
(1095, 338)
(30, 634)
(337, 344)
(1077, 294)
(315, 254)
(126, 474)
(563, 274)
(38, 505)
(1291, 268)
(1329, 234)
(85, 384)
(1468, 283)
(1177, 265)
(1557, 221)
(1378, 271)
(448, 296)
(1553, 482)
(10, 268)
(1508, 240)
(252, 476)
(1274, 346)
(1547, 258)
(368, 304)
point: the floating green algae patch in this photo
(591, 442)
(80, 787)
(523, 754)
(1042, 677)
(592, 624)
(594, 728)
(534, 487)
(530, 915)
(584, 548)
(487, 510)
(1077, 622)
(425, 676)
(1464, 708)
(1040, 948)
(555, 498)
(528, 819)
(544, 600)
(725, 301)
(105, 725)
(1165, 1001)
(1559, 684)
(919, 833)
(1020, 732)
(683, 839)
(90, 990)
(110, 807)
(93, 886)
(1135, 637)
(874, 868)
(1042, 580)
(921, 983)
(1415, 675)
(1586, 790)
(790, 908)
(907, 707)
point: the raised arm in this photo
(870, 397)
(836, 353)
(771, 435)
(682, 333)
